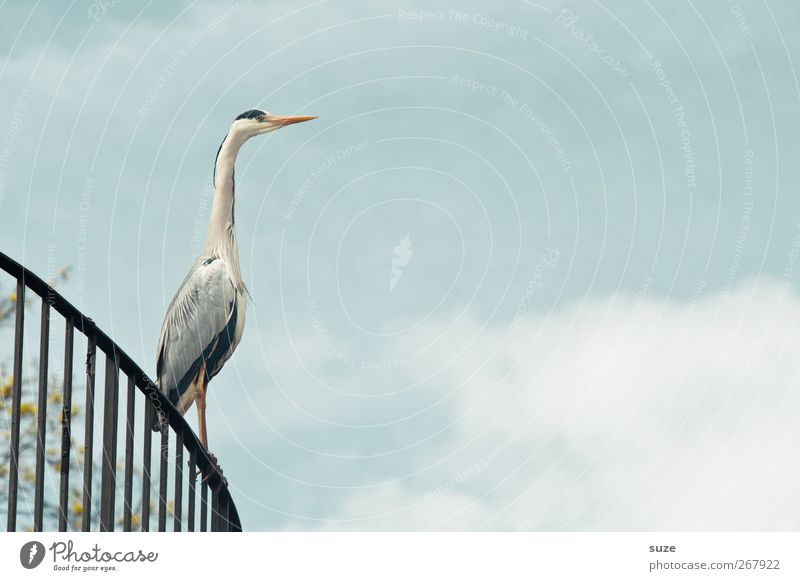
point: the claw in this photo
(215, 471)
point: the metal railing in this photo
(138, 444)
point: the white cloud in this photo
(661, 416)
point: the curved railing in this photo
(179, 502)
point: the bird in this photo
(205, 319)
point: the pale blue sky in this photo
(646, 362)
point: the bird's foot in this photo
(215, 475)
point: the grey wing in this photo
(198, 327)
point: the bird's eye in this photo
(261, 118)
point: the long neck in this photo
(221, 237)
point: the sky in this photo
(532, 268)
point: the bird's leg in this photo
(200, 400)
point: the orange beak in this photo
(282, 120)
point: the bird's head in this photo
(256, 122)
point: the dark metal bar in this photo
(192, 488)
(128, 486)
(178, 507)
(16, 397)
(215, 512)
(66, 428)
(88, 434)
(204, 507)
(227, 514)
(222, 522)
(162, 480)
(108, 484)
(41, 416)
(234, 523)
(147, 453)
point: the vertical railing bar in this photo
(228, 508)
(192, 487)
(88, 433)
(231, 527)
(129, 427)
(215, 512)
(41, 416)
(223, 513)
(66, 428)
(147, 433)
(228, 504)
(108, 483)
(162, 479)
(16, 397)
(204, 507)
(178, 507)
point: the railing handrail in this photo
(126, 364)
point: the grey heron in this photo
(205, 320)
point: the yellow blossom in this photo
(5, 389)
